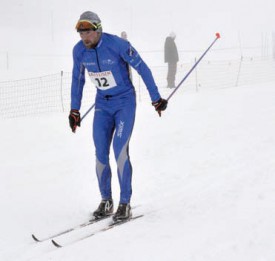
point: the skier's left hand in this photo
(74, 119)
(160, 105)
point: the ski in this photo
(85, 224)
(108, 227)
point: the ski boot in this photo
(105, 208)
(123, 213)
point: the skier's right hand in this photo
(160, 105)
(74, 119)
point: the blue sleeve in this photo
(131, 56)
(78, 80)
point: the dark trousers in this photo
(171, 75)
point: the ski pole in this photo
(86, 113)
(217, 37)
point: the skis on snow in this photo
(113, 224)
(63, 232)
(109, 226)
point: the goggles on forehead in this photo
(86, 25)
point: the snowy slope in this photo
(203, 177)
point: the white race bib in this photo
(103, 80)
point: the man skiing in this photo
(106, 58)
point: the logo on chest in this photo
(108, 62)
(89, 64)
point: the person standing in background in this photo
(124, 36)
(171, 57)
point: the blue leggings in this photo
(114, 119)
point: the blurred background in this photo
(37, 38)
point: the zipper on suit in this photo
(97, 60)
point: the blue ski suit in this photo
(115, 104)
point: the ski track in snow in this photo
(203, 176)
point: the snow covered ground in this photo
(203, 177)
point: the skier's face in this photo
(90, 38)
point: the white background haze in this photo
(203, 173)
(39, 35)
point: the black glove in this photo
(74, 119)
(160, 105)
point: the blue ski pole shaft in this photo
(194, 66)
(86, 113)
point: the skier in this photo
(106, 57)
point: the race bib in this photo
(103, 80)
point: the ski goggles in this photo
(86, 25)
